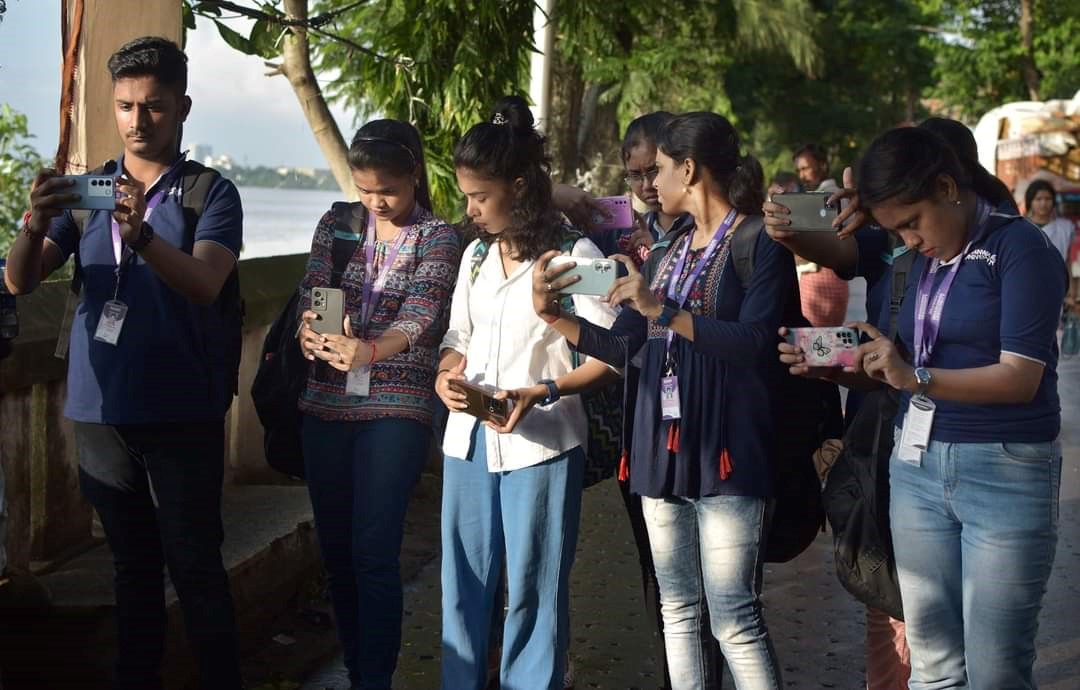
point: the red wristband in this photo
(374, 350)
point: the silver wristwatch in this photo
(922, 380)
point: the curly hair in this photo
(509, 148)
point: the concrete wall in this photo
(48, 518)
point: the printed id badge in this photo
(112, 322)
(915, 436)
(669, 397)
(359, 382)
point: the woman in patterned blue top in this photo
(702, 423)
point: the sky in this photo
(235, 108)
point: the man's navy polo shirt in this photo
(169, 363)
(1007, 297)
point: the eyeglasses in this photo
(636, 177)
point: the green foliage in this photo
(979, 56)
(872, 72)
(446, 64)
(19, 163)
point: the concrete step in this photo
(271, 555)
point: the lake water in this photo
(281, 221)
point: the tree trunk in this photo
(296, 66)
(1027, 62)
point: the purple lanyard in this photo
(678, 295)
(373, 288)
(930, 303)
(163, 184)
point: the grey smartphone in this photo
(810, 211)
(96, 192)
(329, 304)
(597, 275)
(482, 403)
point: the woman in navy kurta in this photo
(704, 476)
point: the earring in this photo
(956, 202)
(685, 190)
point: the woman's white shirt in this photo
(1060, 231)
(507, 346)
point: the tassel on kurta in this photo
(624, 467)
(725, 465)
(673, 437)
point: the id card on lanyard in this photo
(670, 407)
(358, 381)
(114, 312)
(929, 308)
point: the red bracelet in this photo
(374, 350)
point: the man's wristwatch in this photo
(922, 380)
(146, 236)
(552, 394)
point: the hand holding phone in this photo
(808, 211)
(95, 192)
(595, 276)
(480, 402)
(826, 347)
(329, 305)
(618, 213)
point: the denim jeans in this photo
(707, 553)
(360, 476)
(712, 659)
(157, 488)
(528, 519)
(975, 528)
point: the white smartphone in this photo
(596, 275)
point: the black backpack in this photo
(806, 412)
(857, 488)
(279, 381)
(195, 183)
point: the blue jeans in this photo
(707, 553)
(527, 519)
(360, 476)
(157, 489)
(975, 529)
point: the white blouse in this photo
(1060, 231)
(507, 346)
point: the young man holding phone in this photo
(148, 378)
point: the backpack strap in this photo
(898, 286)
(744, 246)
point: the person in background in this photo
(1040, 206)
(701, 465)
(786, 182)
(368, 402)
(976, 467)
(511, 491)
(824, 294)
(148, 379)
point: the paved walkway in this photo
(817, 627)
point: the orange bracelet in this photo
(374, 350)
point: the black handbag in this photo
(856, 492)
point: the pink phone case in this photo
(620, 213)
(826, 347)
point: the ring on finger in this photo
(873, 357)
(547, 287)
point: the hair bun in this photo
(513, 111)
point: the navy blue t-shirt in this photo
(169, 362)
(1006, 297)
